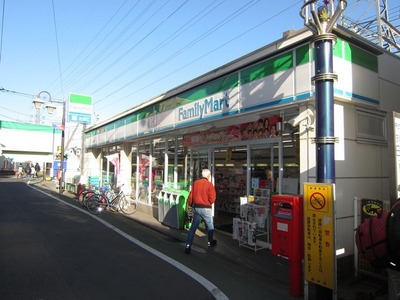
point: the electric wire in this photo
(58, 49)
(213, 28)
(135, 45)
(2, 29)
(82, 68)
(202, 56)
(116, 47)
(90, 43)
(197, 18)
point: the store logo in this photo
(202, 108)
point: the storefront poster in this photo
(263, 128)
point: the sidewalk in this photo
(261, 261)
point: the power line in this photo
(104, 70)
(184, 48)
(82, 67)
(197, 59)
(2, 29)
(58, 49)
(197, 18)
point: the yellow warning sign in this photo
(319, 235)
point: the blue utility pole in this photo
(320, 18)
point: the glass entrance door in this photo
(263, 173)
(237, 171)
(201, 159)
(230, 182)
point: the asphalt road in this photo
(53, 249)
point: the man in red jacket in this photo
(201, 198)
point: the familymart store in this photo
(251, 122)
(223, 124)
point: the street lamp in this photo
(38, 102)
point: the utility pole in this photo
(321, 19)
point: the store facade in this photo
(238, 121)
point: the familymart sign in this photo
(80, 109)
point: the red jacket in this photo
(202, 194)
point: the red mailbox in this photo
(287, 235)
(287, 226)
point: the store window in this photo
(371, 127)
(110, 165)
(144, 171)
(176, 164)
(134, 179)
(170, 163)
(182, 165)
(158, 160)
(230, 181)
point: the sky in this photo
(125, 52)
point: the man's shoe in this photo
(187, 249)
(212, 244)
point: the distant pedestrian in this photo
(20, 171)
(33, 171)
(201, 198)
(37, 169)
(28, 170)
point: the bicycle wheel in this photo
(81, 197)
(87, 196)
(96, 204)
(127, 205)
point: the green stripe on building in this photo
(27, 127)
(271, 66)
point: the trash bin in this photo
(161, 205)
(172, 207)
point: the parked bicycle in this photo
(97, 203)
(85, 194)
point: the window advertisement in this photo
(158, 168)
(134, 179)
(268, 127)
(144, 171)
(183, 165)
(178, 164)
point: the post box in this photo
(287, 235)
(287, 226)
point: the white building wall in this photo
(91, 166)
(362, 170)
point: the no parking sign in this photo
(319, 234)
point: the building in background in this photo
(34, 143)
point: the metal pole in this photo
(321, 19)
(324, 101)
(61, 183)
